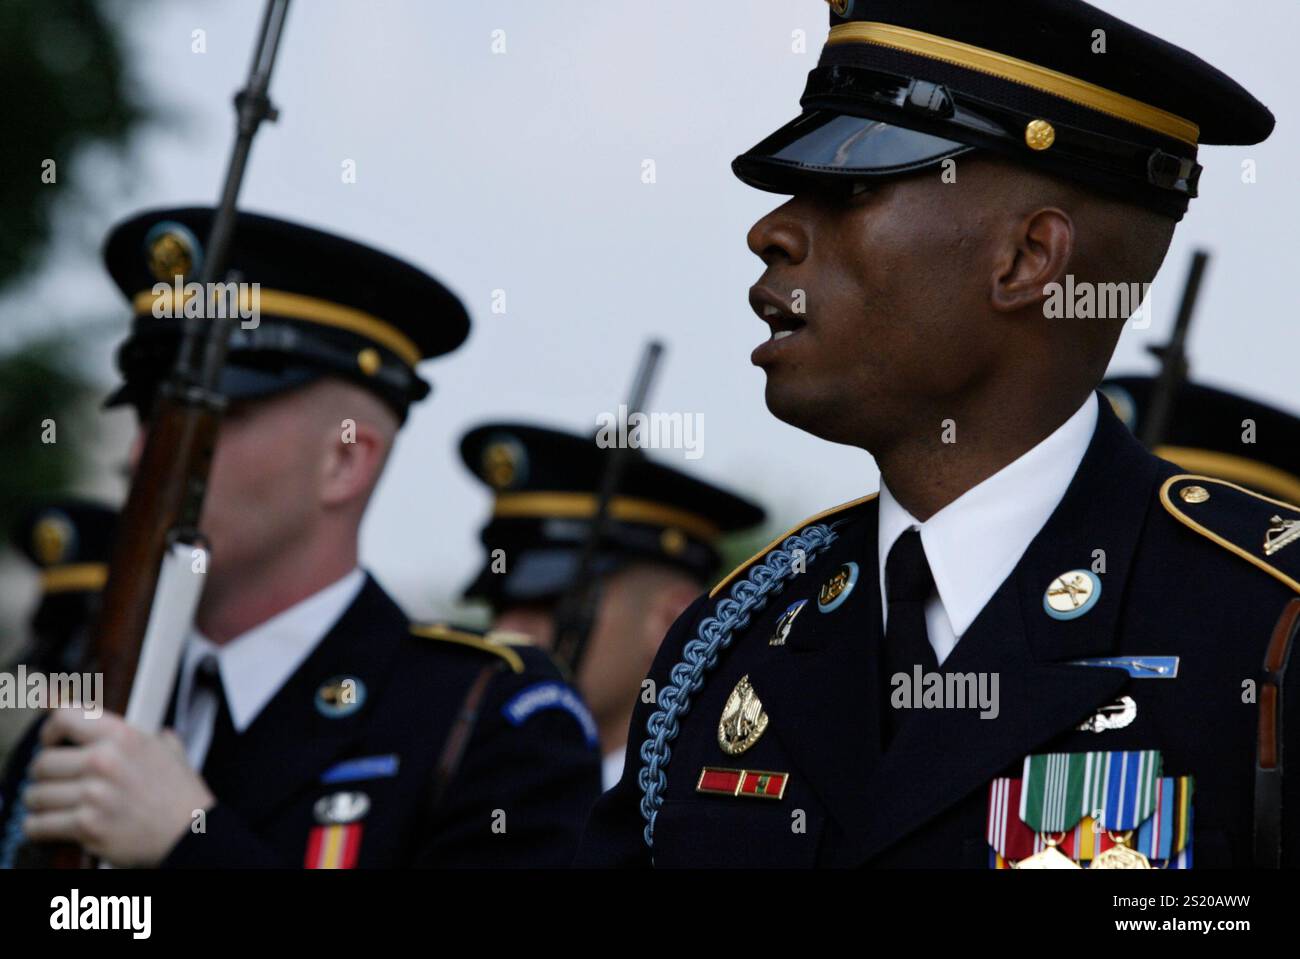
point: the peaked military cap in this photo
(325, 306)
(903, 85)
(545, 483)
(1207, 430)
(69, 541)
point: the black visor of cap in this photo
(822, 147)
(536, 576)
(236, 383)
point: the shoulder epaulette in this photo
(490, 642)
(1256, 528)
(825, 514)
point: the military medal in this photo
(1121, 855)
(1162, 839)
(782, 631)
(1049, 858)
(743, 719)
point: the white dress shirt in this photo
(254, 665)
(974, 543)
(611, 769)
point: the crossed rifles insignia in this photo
(1282, 533)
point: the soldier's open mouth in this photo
(783, 324)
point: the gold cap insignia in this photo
(504, 462)
(171, 251)
(743, 719)
(1040, 135)
(52, 539)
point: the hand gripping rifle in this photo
(576, 611)
(153, 589)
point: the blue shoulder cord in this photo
(700, 655)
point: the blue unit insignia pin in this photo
(341, 696)
(1072, 594)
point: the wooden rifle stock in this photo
(169, 481)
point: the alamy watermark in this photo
(1098, 301)
(35, 690)
(179, 300)
(638, 431)
(921, 690)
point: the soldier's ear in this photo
(352, 462)
(1036, 252)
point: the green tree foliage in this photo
(62, 70)
(39, 389)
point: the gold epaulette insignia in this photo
(1254, 527)
(488, 643)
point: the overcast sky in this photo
(522, 172)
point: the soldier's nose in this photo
(779, 236)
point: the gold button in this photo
(673, 541)
(1040, 135)
(370, 361)
(1194, 494)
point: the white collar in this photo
(611, 768)
(974, 542)
(255, 664)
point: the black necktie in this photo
(908, 585)
(207, 677)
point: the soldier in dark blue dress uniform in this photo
(315, 726)
(1039, 645)
(659, 548)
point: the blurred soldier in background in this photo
(658, 552)
(315, 727)
(1217, 433)
(68, 540)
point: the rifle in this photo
(576, 610)
(1173, 359)
(151, 594)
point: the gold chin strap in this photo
(1019, 71)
